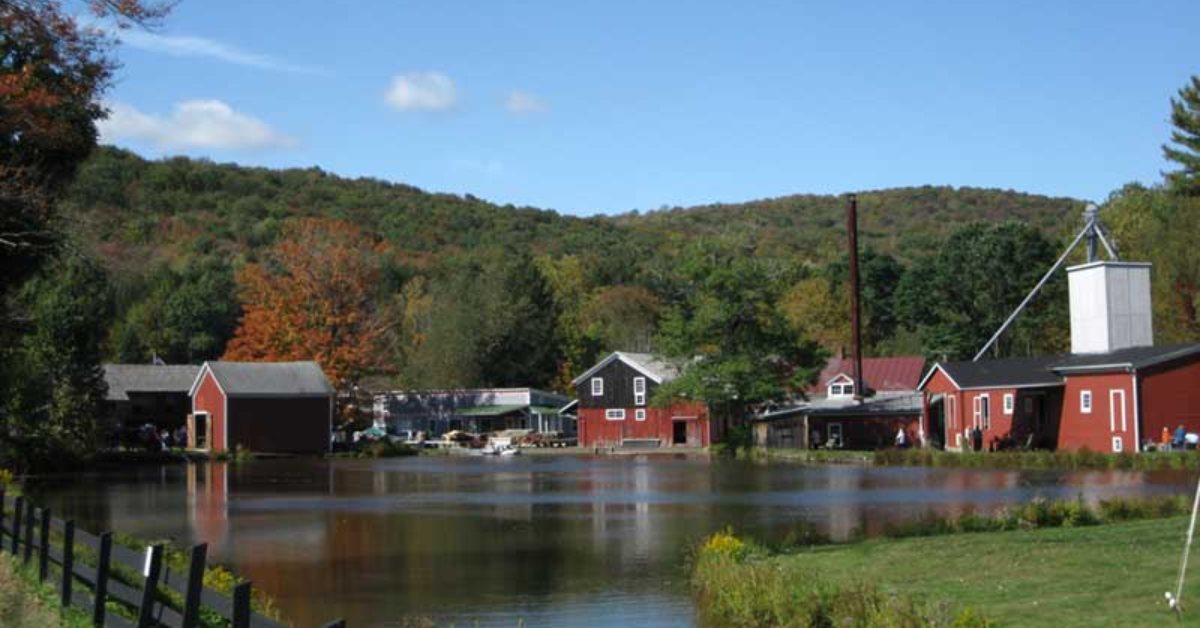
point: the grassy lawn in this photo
(1108, 575)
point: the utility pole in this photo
(860, 391)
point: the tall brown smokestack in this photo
(855, 322)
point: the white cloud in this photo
(192, 124)
(519, 102)
(422, 91)
(184, 46)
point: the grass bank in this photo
(1082, 459)
(1040, 564)
(25, 602)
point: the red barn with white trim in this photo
(1107, 402)
(614, 406)
(263, 406)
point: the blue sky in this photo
(606, 107)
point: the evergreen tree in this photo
(1185, 116)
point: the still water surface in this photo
(557, 541)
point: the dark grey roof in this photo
(271, 378)
(883, 405)
(1133, 357)
(123, 379)
(1036, 371)
(658, 368)
(1048, 370)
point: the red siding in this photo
(595, 430)
(210, 399)
(939, 384)
(1170, 397)
(1099, 429)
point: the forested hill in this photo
(456, 291)
(904, 222)
(163, 208)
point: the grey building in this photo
(477, 410)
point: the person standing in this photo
(901, 439)
(977, 439)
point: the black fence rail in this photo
(98, 576)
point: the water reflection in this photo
(550, 541)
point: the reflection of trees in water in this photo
(381, 540)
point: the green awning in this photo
(543, 409)
(490, 410)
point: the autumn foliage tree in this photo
(312, 298)
(53, 73)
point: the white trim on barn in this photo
(617, 355)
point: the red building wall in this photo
(1099, 429)
(1003, 429)
(596, 430)
(210, 399)
(1170, 396)
(952, 404)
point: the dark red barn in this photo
(615, 411)
(261, 406)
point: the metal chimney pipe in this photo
(855, 319)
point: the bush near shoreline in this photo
(739, 582)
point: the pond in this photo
(543, 540)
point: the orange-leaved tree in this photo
(311, 298)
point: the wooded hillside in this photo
(470, 292)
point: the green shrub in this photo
(738, 585)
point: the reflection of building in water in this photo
(208, 504)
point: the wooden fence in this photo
(145, 587)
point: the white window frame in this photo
(1010, 402)
(976, 414)
(1112, 410)
(1085, 402)
(614, 414)
(639, 396)
(985, 411)
(639, 414)
(840, 387)
(597, 386)
(952, 404)
(1118, 444)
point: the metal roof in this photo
(123, 379)
(882, 405)
(1005, 372)
(901, 373)
(269, 379)
(1129, 358)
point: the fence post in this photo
(102, 565)
(150, 590)
(241, 605)
(68, 560)
(16, 540)
(44, 547)
(195, 582)
(28, 532)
